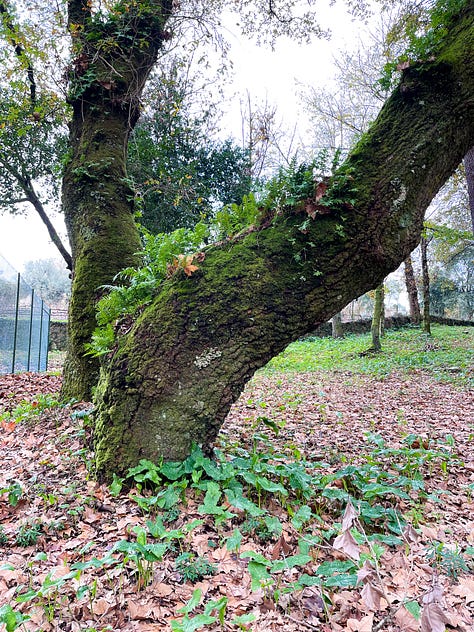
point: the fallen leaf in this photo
(433, 619)
(350, 516)
(346, 542)
(281, 546)
(406, 621)
(101, 606)
(465, 588)
(140, 611)
(371, 596)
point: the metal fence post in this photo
(31, 326)
(48, 312)
(40, 336)
(15, 332)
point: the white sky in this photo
(265, 74)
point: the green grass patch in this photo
(448, 354)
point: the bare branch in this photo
(14, 39)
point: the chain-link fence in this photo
(24, 324)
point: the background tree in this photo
(337, 328)
(426, 322)
(32, 133)
(469, 169)
(412, 291)
(49, 279)
(180, 172)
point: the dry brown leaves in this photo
(326, 417)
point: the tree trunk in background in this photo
(172, 379)
(469, 168)
(377, 318)
(104, 92)
(426, 326)
(412, 291)
(336, 326)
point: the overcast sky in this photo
(264, 74)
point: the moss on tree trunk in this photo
(106, 84)
(98, 205)
(173, 378)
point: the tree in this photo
(114, 49)
(469, 167)
(426, 322)
(336, 326)
(31, 137)
(412, 290)
(176, 370)
(49, 278)
(251, 296)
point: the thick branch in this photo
(32, 197)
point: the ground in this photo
(286, 554)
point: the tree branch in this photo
(32, 197)
(39, 208)
(13, 38)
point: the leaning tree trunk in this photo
(105, 90)
(172, 379)
(412, 291)
(426, 324)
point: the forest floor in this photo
(341, 499)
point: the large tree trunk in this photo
(97, 199)
(412, 291)
(172, 379)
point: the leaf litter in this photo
(335, 419)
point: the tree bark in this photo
(172, 379)
(469, 168)
(377, 318)
(426, 325)
(336, 326)
(96, 196)
(412, 291)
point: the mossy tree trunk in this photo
(412, 291)
(172, 379)
(104, 93)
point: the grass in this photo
(448, 354)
